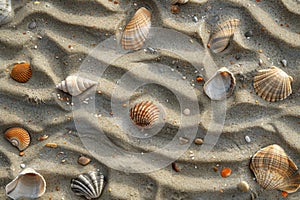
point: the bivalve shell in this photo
(144, 114)
(21, 72)
(18, 137)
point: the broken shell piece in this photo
(179, 1)
(82, 160)
(144, 114)
(18, 137)
(220, 85)
(28, 184)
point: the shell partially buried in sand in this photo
(18, 137)
(144, 114)
(21, 72)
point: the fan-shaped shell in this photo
(144, 114)
(137, 30)
(220, 85)
(179, 1)
(273, 84)
(75, 85)
(6, 11)
(21, 72)
(273, 169)
(28, 184)
(18, 137)
(220, 40)
(90, 185)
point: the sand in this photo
(60, 45)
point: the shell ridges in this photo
(21, 72)
(144, 114)
(18, 137)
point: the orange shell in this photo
(18, 137)
(21, 72)
(225, 172)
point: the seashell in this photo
(144, 114)
(21, 72)
(179, 1)
(18, 137)
(273, 169)
(225, 172)
(220, 85)
(137, 30)
(6, 11)
(90, 185)
(220, 40)
(28, 184)
(273, 84)
(75, 85)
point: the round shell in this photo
(144, 114)
(273, 84)
(137, 30)
(21, 72)
(273, 169)
(220, 85)
(18, 137)
(90, 185)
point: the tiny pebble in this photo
(260, 62)
(198, 141)
(260, 51)
(32, 25)
(175, 167)
(243, 186)
(284, 62)
(247, 138)
(35, 47)
(248, 34)
(22, 166)
(183, 140)
(186, 111)
(22, 153)
(195, 19)
(82, 160)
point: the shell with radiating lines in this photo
(179, 1)
(89, 185)
(137, 30)
(6, 11)
(220, 40)
(21, 72)
(273, 169)
(273, 84)
(75, 85)
(28, 184)
(144, 114)
(18, 137)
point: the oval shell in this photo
(21, 72)
(18, 137)
(273, 169)
(144, 114)
(273, 84)
(137, 30)
(90, 185)
(225, 172)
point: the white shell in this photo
(179, 1)
(75, 85)
(28, 184)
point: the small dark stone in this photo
(249, 34)
(32, 25)
(238, 56)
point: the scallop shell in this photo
(75, 85)
(273, 169)
(21, 72)
(18, 137)
(220, 85)
(90, 185)
(273, 84)
(179, 1)
(220, 40)
(6, 12)
(144, 114)
(137, 30)
(28, 184)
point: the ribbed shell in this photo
(220, 85)
(273, 84)
(144, 114)
(179, 1)
(18, 137)
(137, 30)
(273, 169)
(220, 40)
(21, 72)
(90, 185)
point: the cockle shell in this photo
(144, 114)
(273, 84)
(220, 40)
(75, 85)
(28, 184)
(90, 185)
(6, 11)
(18, 137)
(220, 85)
(137, 30)
(21, 72)
(273, 169)
(179, 1)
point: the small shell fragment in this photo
(18, 137)
(175, 167)
(43, 137)
(179, 1)
(83, 160)
(144, 114)
(243, 186)
(21, 72)
(225, 172)
(52, 145)
(198, 141)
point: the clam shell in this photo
(273, 169)
(273, 84)
(220, 40)
(18, 137)
(6, 11)
(90, 185)
(220, 85)
(28, 184)
(179, 1)
(75, 85)
(137, 30)
(144, 114)
(21, 72)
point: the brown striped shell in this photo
(137, 30)
(273, 169)
(18, 137)
(273, 84)
(144, 114)
(220, 40)
(21, 72)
